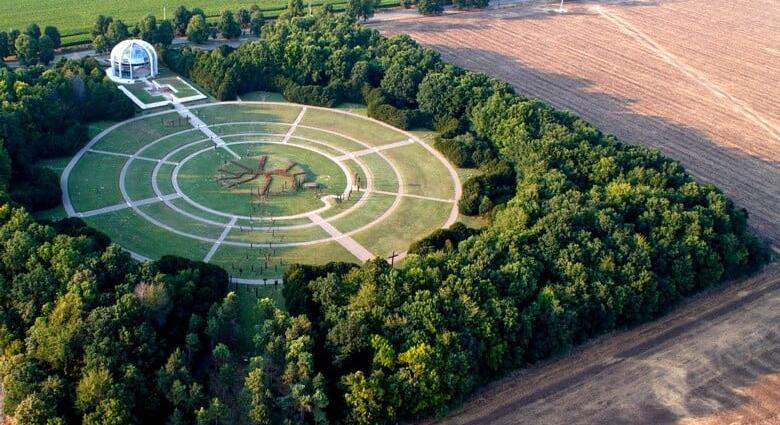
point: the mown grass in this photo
(94, 181)
(359, 128)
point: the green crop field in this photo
(74, 18)
(264, 192)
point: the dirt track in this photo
(696, 79)
(699, 80)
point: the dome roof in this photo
(132, 52)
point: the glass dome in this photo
(132, 60)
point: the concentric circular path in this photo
(148, 183)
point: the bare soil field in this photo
(699, 80)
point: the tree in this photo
(4, 50)
(147, 29)
(45, 49)
(197, 30)
(244, 17)
(27, 49)
(54, 34)
(165, 33)
(181, 18)
(228, 26)
(101, 25)
(430, 7)
(363, 9)
(116, 32)
(33, 30)
(256, 23)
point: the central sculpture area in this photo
(275, 181)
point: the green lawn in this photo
(413, 219)
(133, 232)
(230, 113)
(197, 178)
(130, 137)
(263, 96)
(139, 90)
(94, 183)
(364, 130)
(428, 178)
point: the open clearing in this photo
(238, 185)
(699, 81)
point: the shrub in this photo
(442, 238)
(466, 150)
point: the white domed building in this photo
(132, 60)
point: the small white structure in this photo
(132, 60)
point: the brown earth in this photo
(699, 80)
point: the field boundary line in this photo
(200, 125)
(739, 106)
(228, 228)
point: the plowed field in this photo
(699, 80)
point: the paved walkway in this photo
(124, 205)
(346, 241)
(375, 149)
(409, 195)
(203, 127)
(222, 237)
(294, 125)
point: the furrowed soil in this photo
(700, 81)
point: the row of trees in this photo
(107, 32)
(31, 46)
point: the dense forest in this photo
(585, 235)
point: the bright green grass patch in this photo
(384, 176)
(94, 181)
(361, 129)
(198, 179)
(171, 142)
(375, 206)
(257, 222)
(425, 178)
(246, 263)
(130, 137)
(133, 232)
(160, 212)
(228, 129)
(280, 235)
(328, 138)
(318, 146)
(263, 96)
(413, 219)
(138, 180)
(235, 112)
